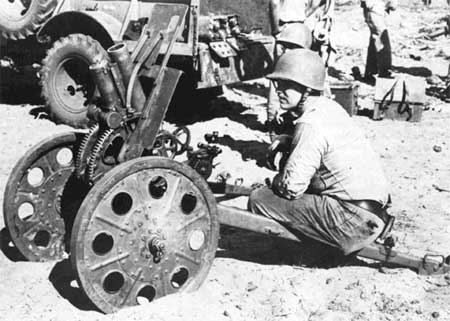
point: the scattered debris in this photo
(435, 315)
(251, 287)
(437, 148)
(434, 80)
(415, 57)
(440, 189)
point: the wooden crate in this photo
(346, 94)
(394, 106)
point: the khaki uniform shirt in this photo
(331, 156)
(379, 6)
(293, 10)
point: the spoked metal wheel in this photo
(147, 229)
(183, 138)
(35, 198)
(165, 145)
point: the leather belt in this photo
(373, 207)
(379, 210)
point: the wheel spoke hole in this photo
(146, 295)
(188, 203)
(122, 203)
(179, 278)
(64, 157)
(42, 238)
(196, 240)
(25, 210)
(74, 284)
(113, 282)
(157, 187)
(35, 177)
(112, 152)
(103, 243)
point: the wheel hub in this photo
(73, 84)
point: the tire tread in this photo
(38, 12)
(91, 50)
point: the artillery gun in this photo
(138, 224)
(68, 36)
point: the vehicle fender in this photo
(99, 25)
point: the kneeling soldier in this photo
(332, 187)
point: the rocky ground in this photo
(247, 280)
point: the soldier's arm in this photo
(308, 146)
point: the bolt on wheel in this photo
(147, 229)
(36, 199)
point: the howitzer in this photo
(137, 224)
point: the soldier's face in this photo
(289, 93)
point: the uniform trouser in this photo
(325, 219)
(379, 55)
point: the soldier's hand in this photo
(278, 152)
(278, 119)
(276, 183)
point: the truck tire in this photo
(21, 18)
(67, 85)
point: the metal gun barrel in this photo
(105, 84)
(120, 55)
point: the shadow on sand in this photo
(63, 279)
(201, 110)
(62, 276)
(257, 248)
(249, 149)
(8, 248)
(413, 71)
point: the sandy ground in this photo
(247, 280)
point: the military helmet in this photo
(296, 34)
(302, 66)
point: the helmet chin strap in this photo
(298, 110)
